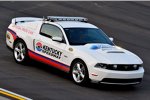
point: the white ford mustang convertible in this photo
(75, 46)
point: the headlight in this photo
(100, 65)
(106, 66)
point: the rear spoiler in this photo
(25, 19)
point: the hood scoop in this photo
(115, 52)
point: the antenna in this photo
(15, 21)
(44, 19)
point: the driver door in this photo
(52, 52)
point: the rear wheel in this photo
(79, 72)
(20, 52)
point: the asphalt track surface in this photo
(127, 22)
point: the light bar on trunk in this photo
(63, 18)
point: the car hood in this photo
(105, 53)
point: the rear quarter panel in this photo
(26, 31)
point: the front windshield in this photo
(82, 36)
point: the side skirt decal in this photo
(48, 61)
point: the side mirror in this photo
(111, 39)
(58, 39)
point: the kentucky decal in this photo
(39, 46)
(48, 50)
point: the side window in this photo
(50, 31)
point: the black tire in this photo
(21, 52)
(84, 80)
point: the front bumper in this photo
(116, 77)
(121, 81)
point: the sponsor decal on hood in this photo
(100, 46)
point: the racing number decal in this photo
(40, 47)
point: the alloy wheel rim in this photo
(78, 72)
(19, 52)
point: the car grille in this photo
(123, 67)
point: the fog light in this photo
(115, 66)
(135, 66)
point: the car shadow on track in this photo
(48, 69)
(108, 87)
(102, 87)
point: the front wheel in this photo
(79, 72)
(20, 52)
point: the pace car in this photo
(75, 46)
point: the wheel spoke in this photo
(78, 77)
(75, 72)
(82, 75)
(22, 56)
(18, 56)
(78, 67)
(21, 46)
(23, 51)
(16, 49)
